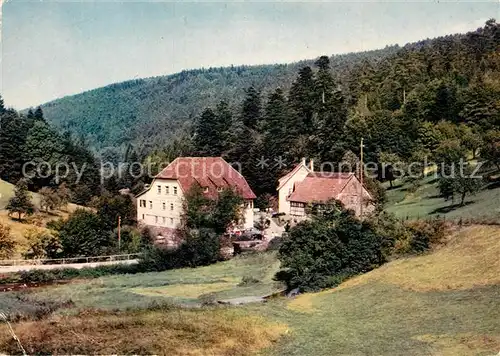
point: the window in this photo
(142, 216)
(156, 219)
(142, 203)
(167, 189)
(175, 190)
(159, 189)
(164, 219)
(150, 204)
(164, 206)
(171, 206)
(205, 189)
(219, 189)
(172, 221)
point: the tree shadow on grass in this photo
(395, 186)
(493, 185)
(449, 208)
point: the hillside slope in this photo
(443, 303)
(149, 111)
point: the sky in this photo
(53, 49)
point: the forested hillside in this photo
(459, 70)
(148, 112)
(436, 99)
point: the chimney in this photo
(311, 165)
(303, 161)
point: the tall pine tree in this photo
(332, 114)
(251, 109)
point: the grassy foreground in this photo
(163, 331)
(443, 303)
(187, 287)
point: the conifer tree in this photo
(332, 114)
(251, 108)
(224, 120)
(206, 133)
(302, 99)
(38, 115)
(13, 129)
(20, 203)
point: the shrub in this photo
(131, 239)
(41, 244)
(333, 245)
(84, 234)
(275, 243)
(200, 248)
(7, 242)
(426, 233)
(37, 275)
(395, 236)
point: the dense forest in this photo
(32, 150)
(437, 98)
(149, 112)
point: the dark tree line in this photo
(30, 148)
(406, 108)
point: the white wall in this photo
(156, 215)
(286, 190)
(248, 215)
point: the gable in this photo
(299, 171)
(353, 188)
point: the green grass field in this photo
(425, 202)
(443, 303)
(182, 286)
(7, 192)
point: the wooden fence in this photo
(55, 261)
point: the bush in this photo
(275, 243)
(408, 237)
(335, 245)
(41, 244)
(37, 276)
(131, 239)
(84, 234)
(7, 242)
(426, 233)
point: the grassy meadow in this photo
(37, 221)
(426, 202)
(443, 303)
(188, 287)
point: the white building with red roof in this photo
(161, 205)
(302, 186)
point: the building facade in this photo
(160, 206)
(302, 187)
(286, 184)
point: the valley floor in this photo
(443, 303)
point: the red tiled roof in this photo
(208, 172)
(320, 187)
